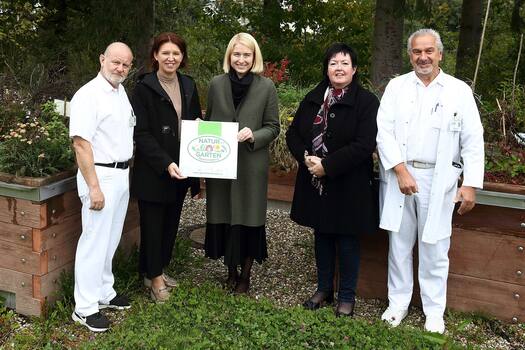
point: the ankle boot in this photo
(233, 277)
(318, 300)
(345, 308)
(242, 286)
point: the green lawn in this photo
(206, 317)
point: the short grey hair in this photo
(425, 31)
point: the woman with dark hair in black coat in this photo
(161, 100)
(332, 136)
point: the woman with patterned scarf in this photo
(333, 137)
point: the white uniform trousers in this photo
(433, 258)
(101, 232)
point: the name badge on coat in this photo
(455, 123)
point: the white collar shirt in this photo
(102, 115)
(425, 122)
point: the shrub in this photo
(38, 145)
(291, 95)
(280, 156)
(289, 98)
(8, 324)
(502, 120)
(277, 72)
(503, 163)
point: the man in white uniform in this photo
(429, 132)
(101, 126)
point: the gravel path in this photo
(288, 277)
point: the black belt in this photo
(119, 165)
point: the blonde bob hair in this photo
(250, 42)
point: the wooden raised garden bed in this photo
(39, 230)
(487, 258)
(487, 253)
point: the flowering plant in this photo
(38, 145)
(277, 72)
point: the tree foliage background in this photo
(50, 48)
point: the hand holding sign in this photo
(209, 149)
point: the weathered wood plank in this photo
(505, 188)
(132, 217)
(130, 240)
(46, 286)
(495, 298)
(497, 220)
(22, 259)
(485, 255)
(16, 282)
(60, 208)
(62, 254)
(21, 212)
(21, 235)
(280, 192)
(375, 246)
(465, 293)
(29, 306)
(51, 236)
(372, 282)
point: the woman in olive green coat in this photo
(236, 209)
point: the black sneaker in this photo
(95, 322)
(119, 302)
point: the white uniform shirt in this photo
(460, 138)
(423, 131)
(103, 116)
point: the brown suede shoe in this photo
(169, 281)
(160, 295)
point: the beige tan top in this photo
(172, 88)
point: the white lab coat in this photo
(465, 143)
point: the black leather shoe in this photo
(345, 309)
(324, 298)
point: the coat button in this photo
(332, 115)
(328, 134)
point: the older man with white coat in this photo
(429, 133)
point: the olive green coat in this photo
(243, 201)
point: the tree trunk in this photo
(469, 38)
(145, 15)
(270, 28)
(387, 58)
(271, 20)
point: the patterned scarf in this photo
(319, 130)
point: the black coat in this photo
(156, 138)
(349, 204)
